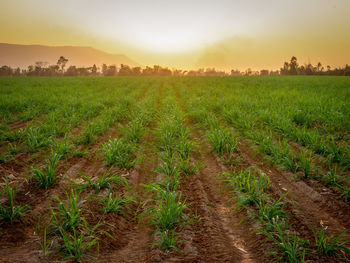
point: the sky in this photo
(236, 34)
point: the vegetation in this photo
(42, 69)
(112, 150)
(11, 212)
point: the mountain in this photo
(24, 55)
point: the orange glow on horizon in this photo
(188, 34)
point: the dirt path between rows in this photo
(220, 236)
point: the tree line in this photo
(293, 68)
(59, 69)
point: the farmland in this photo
(175, 169)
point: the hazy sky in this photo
(224, 34)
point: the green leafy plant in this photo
(115, 204)
(306, 165)
(185, 147)
(120, 153)
(12, 149)
(75, 245)
(106, 180)
(67, 216)
(168, 212)
(248, 186)
(186, 166)
(35, 139)
(88, 136)
(168, 166)
(167, 240)
(11, 212)
(62, 148)
(330, 245)
(47, 177)
(345, 192)
(223, 141)
(268, 210)
(289, 246)
(45, 244)
(332, 178)
(134, 131)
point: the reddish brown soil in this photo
(19, 125)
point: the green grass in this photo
(291, 248)
(168, 212)
(106, 180)
(47, 177)
(11, 212)
(68, 215)
(223, 141)
(113, 203)
(249, 185)
(299, 124)
(75, 245)
(330, 245)
(119, 152)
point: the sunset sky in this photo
(188, 34)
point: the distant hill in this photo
(24, 55)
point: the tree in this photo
(248, 72)
(285, 69)
(347, 70)
(71, 71)
(136, 71)
(293, 66)
(104, 69)
(94, 70)
(61, 62)
(264, 72)
(177, 72)
(111, 71)
(125, 70)
(6, 71)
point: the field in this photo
(175, 169)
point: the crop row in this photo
(251, 190)
(301, 161)
(167, 209)
(70, 229)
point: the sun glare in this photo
(167, 41)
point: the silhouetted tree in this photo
(61, 62)
(104, 69)
(94, 70)
(111, 71)
(136, 71)
(293, 66)
(235, 72)
(71, 71)
(264, 72)
(125, 70)
(6, 71)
